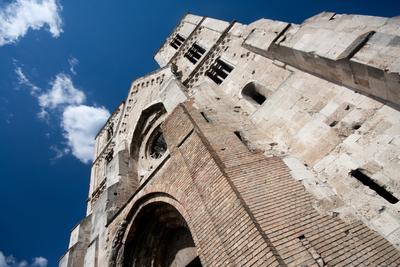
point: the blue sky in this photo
(64, 65)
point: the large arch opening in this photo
(160, 237)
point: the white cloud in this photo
(80, 125)
(11, 261)
(3, 260)
(62, 92)
(18, 17)
(40, 262)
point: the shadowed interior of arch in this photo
(160, 236)
(254, 92)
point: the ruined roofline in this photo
(197, 24)
(109, 118)
(123, 101)
(172, 32)
(317, 17)
(182, 19)
(149, 74)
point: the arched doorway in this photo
(160, 237)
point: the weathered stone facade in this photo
(265, 144)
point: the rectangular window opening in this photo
(177, 41)
(219, 71)
(195, 53)
(366, 180)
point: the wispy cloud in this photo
(11, 261)
(5, 114)
(58, 152)
(18, 17)
(23, 80)
(73, 62)
(79, 122)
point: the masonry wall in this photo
(245, 209)
(259, 181)
(322, 129)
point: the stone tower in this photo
(268, 144)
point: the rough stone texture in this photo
(246, 153)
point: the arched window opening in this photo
(148, 147)
(157, 145)
(254, 93)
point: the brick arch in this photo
(161, 188)
(128, 226)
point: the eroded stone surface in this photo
(268, 128)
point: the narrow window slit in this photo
(239, 135)
(366, 180)
(333, 124)
(205, 117)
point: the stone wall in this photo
(285, 151)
